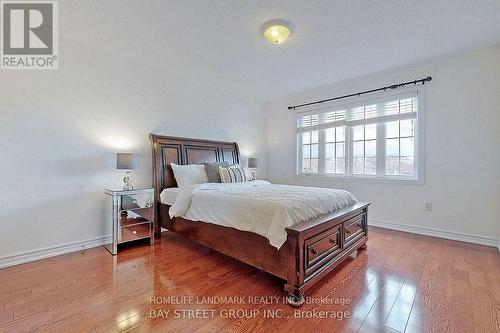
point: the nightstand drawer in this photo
(136, 216)
(132, 219)
(135, 232)
(136, 201)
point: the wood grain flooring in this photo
(401, 283)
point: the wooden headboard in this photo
(168, 149)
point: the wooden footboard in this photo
(317, 246)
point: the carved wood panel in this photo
(170, 154)
(200, 154)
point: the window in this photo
(374, 139)
(310, 151)
(364, 150)
(400, 147)
(335, 150)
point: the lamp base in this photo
(254, 173)
(128, 180)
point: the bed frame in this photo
(313, 248)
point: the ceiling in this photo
(218, 41)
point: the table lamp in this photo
(252, 165)
(126, 161)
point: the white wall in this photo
(462, 146)
(60, 130)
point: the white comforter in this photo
(258, 206)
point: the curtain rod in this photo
(394, 86)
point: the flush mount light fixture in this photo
(276, 32)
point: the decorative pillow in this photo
(249, 173)
(190, 174)
(212, 170)
(232, 175)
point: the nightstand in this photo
(129, 216)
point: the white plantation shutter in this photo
(390, 108)
(309, 121)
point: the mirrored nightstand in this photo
(129, 216)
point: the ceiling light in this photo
(276, 32)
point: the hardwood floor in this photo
(401, 283)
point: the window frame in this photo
(417, 178)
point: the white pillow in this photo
(190, 174)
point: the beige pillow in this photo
(232, 175)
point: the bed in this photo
(310, 250)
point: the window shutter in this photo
(393, 108)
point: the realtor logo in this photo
(29, 35)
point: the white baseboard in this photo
(53, 251)
(481, 240)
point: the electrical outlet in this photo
(428, 206)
